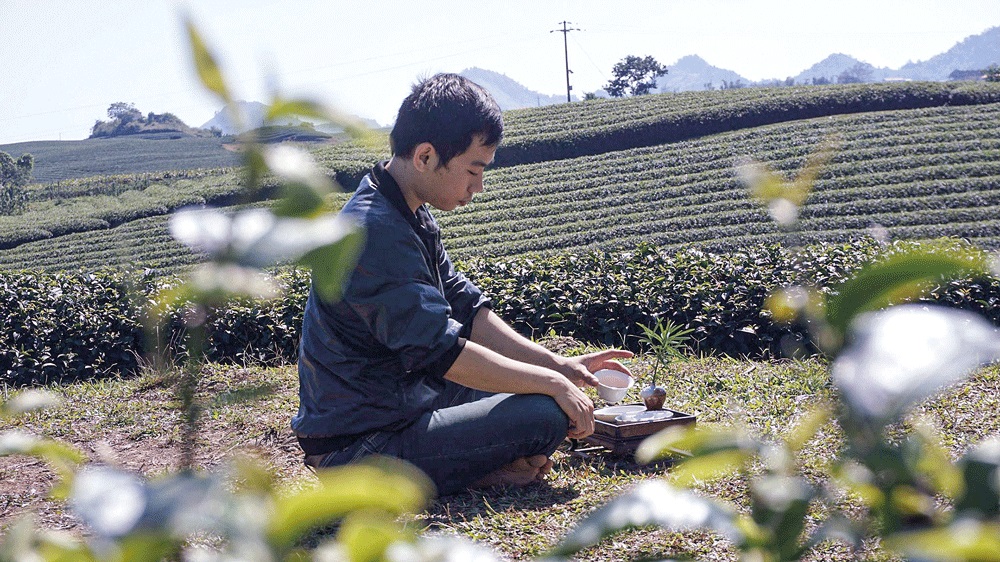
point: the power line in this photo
(565, 31)
(590, 58)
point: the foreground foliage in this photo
(888, 358)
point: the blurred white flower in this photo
(440, 549)
(654, 502)
(899, 356)
(256, 237)
(109, 501)
(294, 165)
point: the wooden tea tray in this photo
(624, 438)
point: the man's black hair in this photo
(446, 110)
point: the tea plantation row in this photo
(102, 202)
(895, 165)
(68, 326)
(598, 126)
(909, 174)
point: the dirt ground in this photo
(147, 446)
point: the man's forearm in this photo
(485, 369)
(490, 331)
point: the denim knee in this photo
(545, 417)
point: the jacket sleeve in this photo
(392, 292)
(463, 295)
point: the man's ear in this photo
(424, 157)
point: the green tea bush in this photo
(601, 297)
(62, 327)
(66, 327)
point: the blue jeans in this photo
(468, 435)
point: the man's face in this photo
(455, 184)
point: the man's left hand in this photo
(581, 369)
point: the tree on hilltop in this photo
(860, 72)
(635, 76)
(124, 112)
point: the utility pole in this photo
(565, 31)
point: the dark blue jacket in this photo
(375, 360)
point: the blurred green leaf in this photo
(30, 400)
(205, 64)
(653, 502)
(787, 304)
(146, 547)
(910, 503)
(299, 200)
(965, 539)
(283, 107)
(390, 486)
(254, 166)
(709, 466)
(366, 535)
(784, 198)
(63, 458)
(779, 504)
(902, 276)
(304, 185)
(934, 461)
(24, 540)
(250, 476)
(811, 422)
(361, 133)
(333, 264)
(694, 441)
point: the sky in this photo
(63, 62)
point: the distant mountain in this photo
(973, 53)
(509, 93)
(254, 111)
(834, 66)
(693, 73)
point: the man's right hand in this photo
(580, 410)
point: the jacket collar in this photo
(385, 184)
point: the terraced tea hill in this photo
(908, 173)
(604, 125)
(561, 131)
(62, 160)
(905, 174)
(99, 203)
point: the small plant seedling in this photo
(666, 339)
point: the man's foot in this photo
(520, 472)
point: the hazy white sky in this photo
(65, 61)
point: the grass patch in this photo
(134, 423)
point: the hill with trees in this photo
(125, 119)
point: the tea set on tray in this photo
(612, 387)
